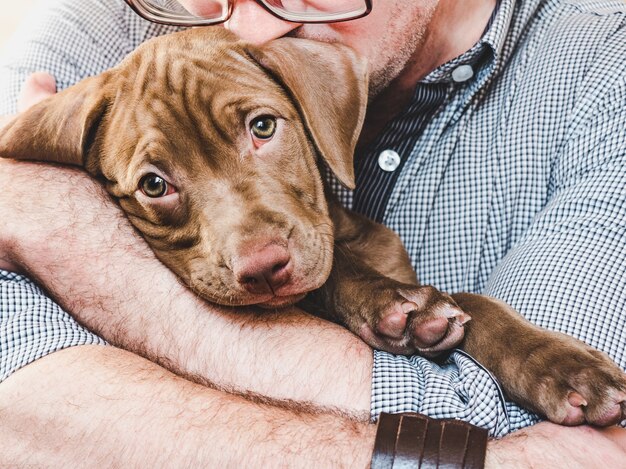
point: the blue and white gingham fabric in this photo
(516, 188)
(32, 325)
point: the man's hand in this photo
(547, 445)
(37, 87)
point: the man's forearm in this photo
(96, 406)
(66, 233)
(120, 410)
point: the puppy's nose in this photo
(265, 270)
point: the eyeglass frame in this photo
(133, 4)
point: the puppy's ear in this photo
(59, 129)
(328, 84)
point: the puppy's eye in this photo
(155, 186)
(263, 127)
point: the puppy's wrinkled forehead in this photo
(203, 83)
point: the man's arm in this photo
(566, 271)
(110, 407)
(63, 230)
(119, 410)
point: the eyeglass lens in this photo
(218, 10)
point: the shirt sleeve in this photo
(566, 273)
(71, 40)
(32, 325)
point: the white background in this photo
(13, 12)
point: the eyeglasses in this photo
(207, 12)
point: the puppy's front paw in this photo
(405, 319)
(572, 383)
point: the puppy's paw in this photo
(406, 320)
(573, 383)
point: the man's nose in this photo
(252, 23)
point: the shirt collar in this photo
(488, 50)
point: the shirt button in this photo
(462, 73)
(388, 160)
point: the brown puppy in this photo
(213, 147)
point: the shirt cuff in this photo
(458, 388)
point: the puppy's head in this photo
(211, 146)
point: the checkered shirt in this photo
(515, 188)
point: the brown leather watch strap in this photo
(416, 441)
